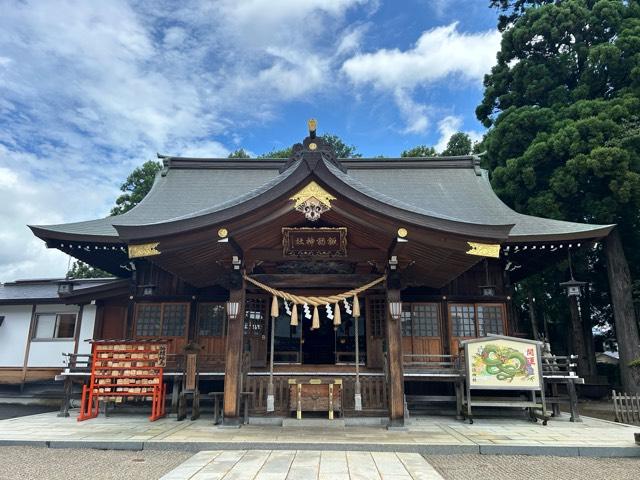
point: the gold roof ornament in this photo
(313, 125)
(144, 250)
(313, 190)
(313, 201)
(484, 249)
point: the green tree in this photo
(459, 144)
(563, 105)
(83, 270)
(136, 186)
(420, 151)
(239, 153)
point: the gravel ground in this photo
(20, 463)
(27, 463)
(521, 467)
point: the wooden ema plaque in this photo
(315, 395)
(122, 371)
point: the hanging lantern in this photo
(232, 309)
(395, 309)
(573, 287)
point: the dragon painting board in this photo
(504, 363)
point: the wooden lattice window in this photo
(462, 320)
(148, 320)
(161, 319)
(405, 320)
(211, 319)
(424, 320)
(377, 316)
(490, 319)
(254, 318)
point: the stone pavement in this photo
(303, 465)
(426, 435)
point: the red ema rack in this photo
(124, 370)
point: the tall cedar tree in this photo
(563, 104)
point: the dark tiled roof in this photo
(447, 188)
(21, 291)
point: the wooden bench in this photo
(435, 368)
(78, 365)
(561, 370)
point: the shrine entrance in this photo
(319, 345)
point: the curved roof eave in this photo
(298, 173)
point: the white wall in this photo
(13, 334)
(48, 353)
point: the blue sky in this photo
(89, 90)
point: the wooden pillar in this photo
(27, 347)
(393, 336)
(233, 358)
(623, 311)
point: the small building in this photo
(40, 320)
(206, 250)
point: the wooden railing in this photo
(428, 363)
(626, 407)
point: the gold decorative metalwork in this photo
(144, 250)
(312, 146)
(312, 124)
(313, 190)
(313, 201)
(484, 249)
(402, 232)
(223, 232)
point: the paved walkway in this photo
(303, 465)
(427, 435)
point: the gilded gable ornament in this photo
(484, 249)
(313, 201)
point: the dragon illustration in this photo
(505, 363)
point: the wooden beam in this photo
(321, 280)
(233, 359)
(354, 255)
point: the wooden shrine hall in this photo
(350, 272)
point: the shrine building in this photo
(280, 271)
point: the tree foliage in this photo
(420, 151)
(239, 153)
(136, 186)
(563, 105)
(459, 144)
(82, 270)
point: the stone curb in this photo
(455, 449)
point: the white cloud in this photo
(88, 90)
(448, 126)
(438, 53)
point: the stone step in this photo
(313, 423)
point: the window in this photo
(161, 319)
(420, 320)
(489, 318)
(254, 316)
(425, 320)
(211, 319)
(55, 325)
(378, 315)
(462, 320)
